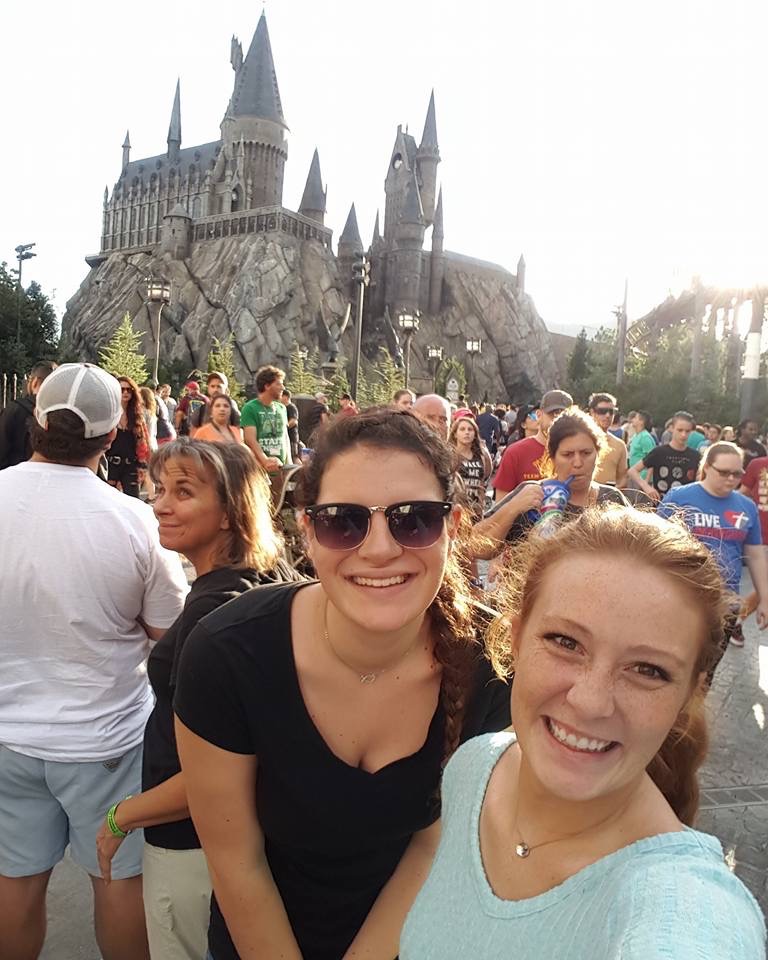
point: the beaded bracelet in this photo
(112, 823)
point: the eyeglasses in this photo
(126, 390)
(415, 524)
(728, 474)
(603, 411)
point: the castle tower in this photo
(174, 237)
(521, 274)
(174, 128)
(313, 199)
(437, 259)
(255, 116)
(409, 238)
(427, 159)
(126, 150)
(396, 183)
(350, 244)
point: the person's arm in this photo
(165, 803)
(379, 936)
(221, 788)
(491, 531)
(633, 473)
(622, 468)
(270, 464)
(754, 554)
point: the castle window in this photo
(236, 199)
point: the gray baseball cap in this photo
(555, 400)
(85, 390)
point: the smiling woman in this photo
(571, 835)
(341, 700)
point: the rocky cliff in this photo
(269, 289)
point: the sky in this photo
(602, 139)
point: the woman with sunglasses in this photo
(129, 454)
(313, 720)
(728, 523)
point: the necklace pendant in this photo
(367, 677)
(522, 849)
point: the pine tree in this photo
(337, 384)
(221, 359)
(301, 378)
(386, 378)
(579, 365)
(121, 356)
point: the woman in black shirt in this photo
(475, 463)
(574, 444)
(212, 504)
(313, 720)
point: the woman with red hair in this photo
(128, 456)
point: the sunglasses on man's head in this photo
(415, 524)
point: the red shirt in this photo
(756, 483)
(520, 462)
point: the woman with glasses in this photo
(313, 720)
(728, 523)
(128, 456)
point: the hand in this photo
(107, 845)
(529, 498)
(654, 494)
(272, 464)
(761, 614)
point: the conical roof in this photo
(412, 211)
(174, 128)
(437, 223)
(127, 141)
(350, 235)
(376, 230)
(256, 92)
(429, 136)
(313, 197)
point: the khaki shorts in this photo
(177, 903)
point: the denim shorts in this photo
(46, 804)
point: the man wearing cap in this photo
(84, 586)
(522, 460)
(17, 417)
(189, 410)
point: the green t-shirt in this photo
(271, 427)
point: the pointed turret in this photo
(409, 237)
(313, 199)
(174, 128)
(106, 196)
(437, 259)
(413, 211)
(256, 92)
(126, 150)
(350, 244)
(427, 158)
(521, 274)
(376, 239)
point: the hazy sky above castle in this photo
(602, 139)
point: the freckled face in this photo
(599, 686)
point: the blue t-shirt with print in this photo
(724, 524)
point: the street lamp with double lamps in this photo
(158, 295)
(435, 357)
(409, 324)
(473, 348)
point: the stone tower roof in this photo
(429, 136)
(179, 211)
(350, 235)
(437, 228)
(412, 211)
(376, 231)
(314, 196)
(256, 92)
(174, 129)
(127, 141)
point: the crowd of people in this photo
(444, 743)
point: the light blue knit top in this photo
(668, 897)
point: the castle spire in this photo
(256, 92)
(376, 233)
(349, 241)
(174, 128)
(313, 199)
(521, 274)
(429, 136)
(437, 225)
(126, 149)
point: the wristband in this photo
(112, 823)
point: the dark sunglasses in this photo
(415, 524)
(728, 474)
(602, 411)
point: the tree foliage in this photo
(222, 360)
(578, 366)
(122, 355)
(336, 385)
(301, 376)
(450, 367)
(36, 317)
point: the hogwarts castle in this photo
(210, 219)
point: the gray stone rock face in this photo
(268, 290)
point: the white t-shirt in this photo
(79, 563)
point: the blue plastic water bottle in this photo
(547, 519)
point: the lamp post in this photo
(159, 295)
(473, 348)
(435, 357)
(409, 324)
(361, 270)
(23, 252)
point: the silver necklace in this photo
(372, 675)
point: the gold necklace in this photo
(373, 675)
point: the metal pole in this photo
(155, 375)
(358, 339)
(18, 312)
(621, 337)
(752, 357)
(407, 358)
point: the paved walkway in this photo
(734, 798)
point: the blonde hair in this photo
(714, 451)
(666, 546)
(251, 539)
